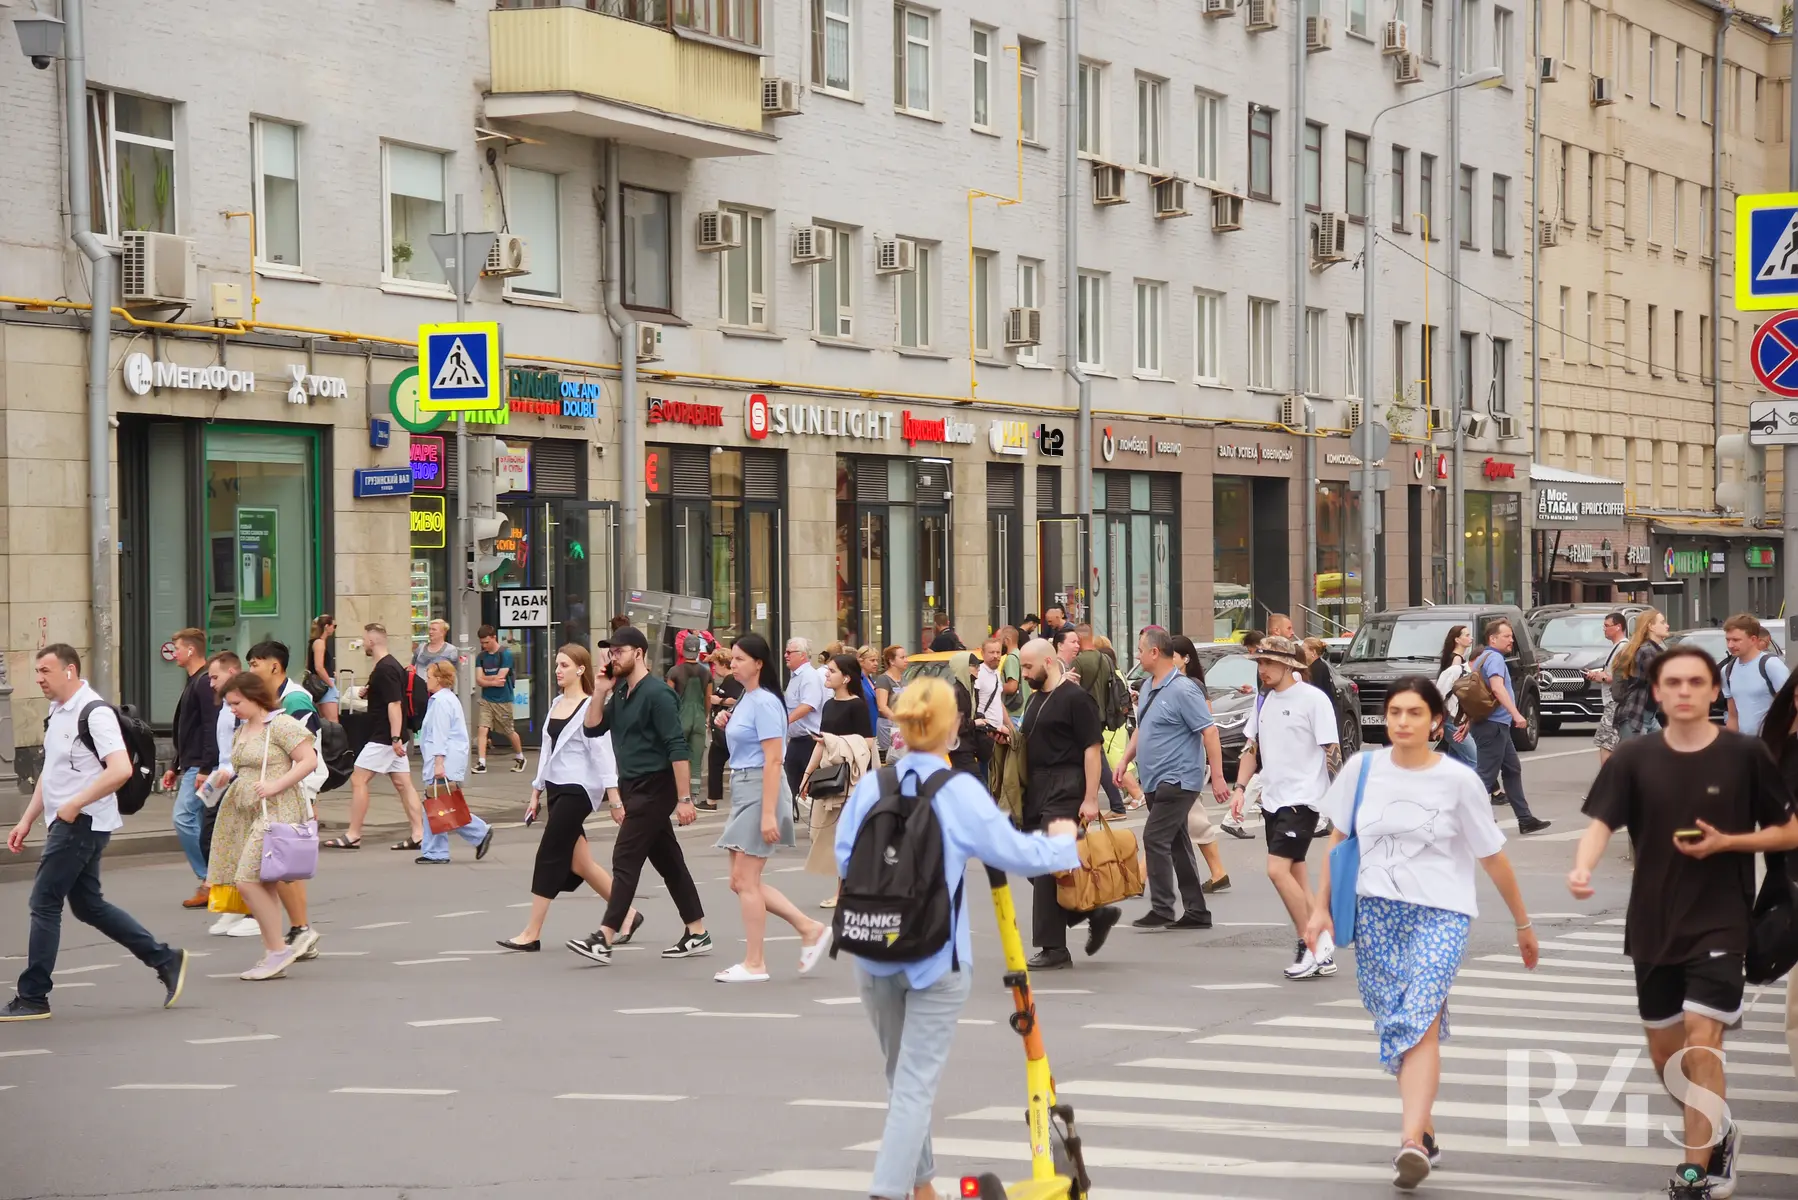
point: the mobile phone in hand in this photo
(530, 818)
(1688, 835)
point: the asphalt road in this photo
(415, 1059)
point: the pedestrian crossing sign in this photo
(459, 367)
(1767, 251)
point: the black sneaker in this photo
(1051, 960)
(21, 1009)
(174, 978)
(593, 947)
(690, 945)
(1098, 927)
(480, 766)
(518, 764)
(1533, 825)
(1151, 920)
(1689, 1182)
(1235, 829)
(1431, 1148)
(1212, 887)
(1720, 1174)
(1193, 921)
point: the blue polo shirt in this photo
(1492, 665)
(1170, 716)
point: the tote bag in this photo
(289, 851)
(1345, 866)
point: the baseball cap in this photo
(629, 635)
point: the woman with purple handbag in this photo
(265, 832)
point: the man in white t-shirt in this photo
(85, 764)
(1293, 742)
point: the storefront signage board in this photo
(1685, 562)
(141, 373)
(1492, 468)
(459, 367)
(402, 402)
(430, 523)
(1580, 505)
(1761, 556)
(1254, 452)
(512, 469)
(382, 481)
(524, 608)
(428, 461)
(681, 412)
(1009, 437)
(256, 562)
(944, 430)
(547, 394)
(762, 417)
(1050, 442)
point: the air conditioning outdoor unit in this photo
(649, 342)
(1509, 427)
(1332, 238)
(895, 256)
(1434, 419)
(1396, 39)
(1317, 34)
(1603, 91)
(1551, 233)
(510, 255)
(158, 268)
(781, 97)
(1550, 69)
(1023, 327)
(1474, 424)
(1170, 197)
(1263, 16)
(1292, 412)
(719, 230)
(1410, 67)
(1220, 8)
(1226, 212)
(1108, 185)
(813, 244)
(1355, 414)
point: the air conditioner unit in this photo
(1263, 16)
(813, 244)
(510, 255)
(1023, 327)
(1170, 196)
(1292, 412)
(1474, 424)
(649, 342)
(1549, 69)
(1551, 231)
(1108, 185)
(158, 269)
(228, 302)
(719, 230)
(1331, 245)
(780, 97)
(1603, 91)
(1434, 419)
(895, 256)
(1509, 427)
(1226, 212)
(1355, 414)
(1317, 34)
(1410, 67)
(1220, 8)
(1396, 39)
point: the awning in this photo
(1569, 500)
(1716, 529)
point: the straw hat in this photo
(1283, 651)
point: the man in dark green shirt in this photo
(642, 717)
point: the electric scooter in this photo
(1057, 1167)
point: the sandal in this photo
(342, 843)
(412, 844)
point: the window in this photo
(1264, 332)
(1027, 59)
(1629, 203)
(1501, 40)
(131, 162)
(1654, 319)
(1704, 221)
(1354, 179)
(1654, 69)
(1150, 298)
(1426, 194)
(983, 78)
(534, 211)
(1679, 80)
(1314, 165)
(1261, 152)
(1626, 58)
(1092, 109)
(983, 302)
(1679, 215)
(1679, 344)
(1464, 207)
(1591, 354)
(1351, 384)
(1426, 31)
(1400, 215)
(1594, 53)
(1148, 121)
(1629, 342)
(1501, 215)
(1594, 187)
(1704, 89)
(648, 249)
(1470, 34)
(731, 20)
(414, 211)
(1653, 231)
(1314, 351)
(1401, 384)
(911, 60)
(1499, 399)
(277, 200)
(1564, 185)
(833, 64)
(915, 288)
(833, 288)
(1092, 320)
(1704, 348)
(1210, 136)
(1426, 364)
(1567, 32)
(1464, 367)
(1029, 273)
(1357, 17)
(742, 274)
(1566, 303)
(1208, 337)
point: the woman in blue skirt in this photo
(1424, 821)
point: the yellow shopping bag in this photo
(223, 898)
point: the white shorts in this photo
(382, 760)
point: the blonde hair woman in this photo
(1630, 672)
(913, 1006)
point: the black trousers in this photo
(647, 835)
(568, 807)
(714, 768)
(1052, 795)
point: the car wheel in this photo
(1350, 731)
(1550, 724)
(1527, 738)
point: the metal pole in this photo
(1716, 332)
(1535, 68)
(1789, 460)
(624, 323)
(1370, 600)
(1301, 222)
(463, 561)
(1070, 264)
(1457, 508)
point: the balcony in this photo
(679, 76)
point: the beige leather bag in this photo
(1110, 870)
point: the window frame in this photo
(1426, 31)
(1353, 387)
(1151, 121)
(1501, 214)
(822, 20)
(905, 44)
(1466, 207)
(1209, 115)
(1401, 170)
(1317, 345)
(1355, 193)
(1679, 80)
(1426, 196)
(843, 285)
(751, 217)
(1594, 209)
(981, 75)
(1263, 340)
(1470, 34)
(103, 131)
(1091, 320)
(1313, 175)
(1502, 25)
(981, 266)
(1654, 69)
(259, 200)
(1150, 327)
(921, 282)
(1265, 136)
(1208, 336)
(512, 285)
(387, 275)
(1091, 79)
(1029, 93)
(1356, 17)
(1029, 271)
(629, 266)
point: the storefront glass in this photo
(713, 530)
(893, 537)
(169, 564)
(1494, 548)
(1339, 566)
(261, 534)
(1135, 547)
(1004, 544)
(1232, 540)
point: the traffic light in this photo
(1748, 495)
(483, 531)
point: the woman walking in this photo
(886, 694)
(575, 775)
(1457, 739)
(1630, 672)
(270, 753)
(761, 811)
(1422, 821)
(443, 741)
(321, 666)
(914, 1006)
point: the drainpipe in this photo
(1724, 17)
(99, 345)
(1070, 263)
(1457, 506)
(1301, 221)
(1535, 231)
(624, 325)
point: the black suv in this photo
(1408, 641)
(1571, 640)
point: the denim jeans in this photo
(915, 1028)
(69, 869)
(1498, 759)
(188, 814)
(1466, 750)
(436, 845)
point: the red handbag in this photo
(447, 810)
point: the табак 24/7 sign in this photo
(524, 608)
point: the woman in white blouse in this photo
(576, 772)
(1423, 820)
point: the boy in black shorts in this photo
(1699, 802)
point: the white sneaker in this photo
(1304, 963)
(227, 922)
(246, 927)
(272, 965)
(1326, 954)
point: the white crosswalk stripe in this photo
(1296, 1092)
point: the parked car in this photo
(1710, 640)
(1408, 641)
(1571, 639)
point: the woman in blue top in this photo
(761, 811)
(443, 741)
(914, 1006)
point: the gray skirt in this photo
(743, 829)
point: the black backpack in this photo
(1117, 703)
(339, 754)
(895, 904)
(140, 747)
(1773, 930)
(418, 696)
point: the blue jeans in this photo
(1498, 760)
(188, 815)
(436, 845)
(69, 869)
(1466, 750)
(915, 1029)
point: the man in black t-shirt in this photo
(385, 745)
(1699, 803)
(1063, 733)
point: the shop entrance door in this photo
(583, 553)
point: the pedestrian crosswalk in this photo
(1547, 1091)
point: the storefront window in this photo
(1232, 534)
(1494, 547)
(713, 529)
(892, 548)
(261, 537)
(1134, 548)
(1339, 566)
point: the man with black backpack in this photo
(396, 709)
(1751, 676)
(87, 763)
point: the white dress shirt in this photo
(68, 764)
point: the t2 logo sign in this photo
(1050, 442)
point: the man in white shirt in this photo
(1293, 741)
(83, 769)
(989, 686)
(805, 709)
